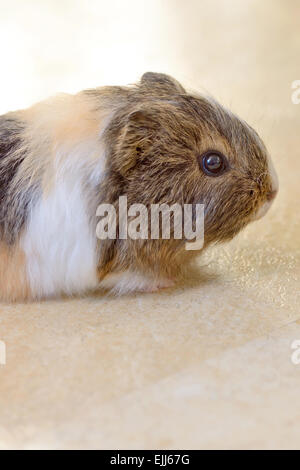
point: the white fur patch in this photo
(59, 244)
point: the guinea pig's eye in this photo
(213, 163)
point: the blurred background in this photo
(229, 47)
(207, 365)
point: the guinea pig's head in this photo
(173, 147)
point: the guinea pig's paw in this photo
(127, 281)
(165, 283)
(155, 286)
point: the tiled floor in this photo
(208, 365)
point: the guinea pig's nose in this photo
(271, 194)
(266, 205)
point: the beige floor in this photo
(207, 365)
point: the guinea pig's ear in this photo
(135, 138)
(161, 83)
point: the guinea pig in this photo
(152, 142)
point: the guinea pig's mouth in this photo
(263, 209)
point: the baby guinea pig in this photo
(152, 142)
